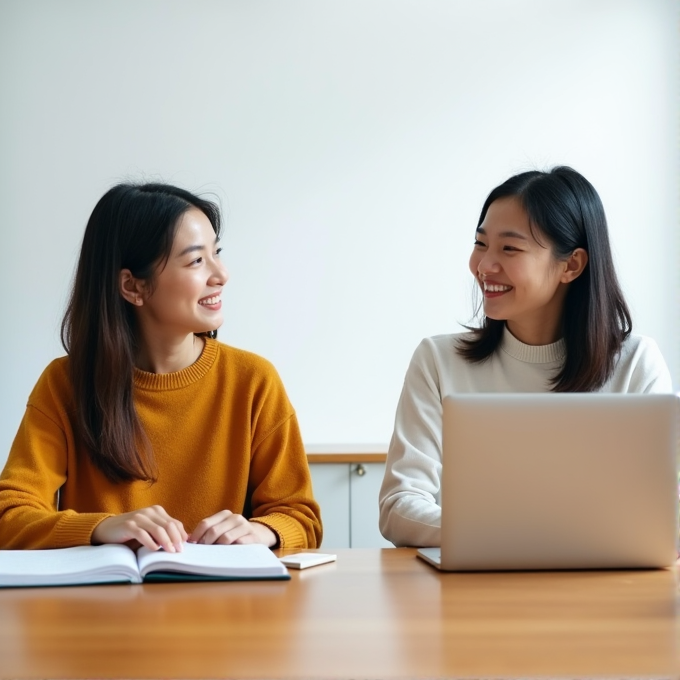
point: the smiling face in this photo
(521, 280)
(185, 295)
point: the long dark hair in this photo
(131, 227)
(566, 211)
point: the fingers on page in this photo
(208, 530)
(155, 528)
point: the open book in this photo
(119, 564)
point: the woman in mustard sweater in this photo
(150, 431)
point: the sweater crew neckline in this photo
(532, 354)
(187, 376)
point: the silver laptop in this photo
(558, 481)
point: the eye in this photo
(217, 252)
(198, 260)
(479, 243)
(511, 249)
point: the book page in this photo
(66, 566)
(225, 561)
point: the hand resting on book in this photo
(154, 528)
(227, 528)
(151, 527)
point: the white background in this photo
(351, 144)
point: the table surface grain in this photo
(372, 614)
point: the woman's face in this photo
(521, 280)
(185, 295)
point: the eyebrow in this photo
(192, 249)
(504, 234)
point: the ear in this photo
(131, 289)
(574, 265)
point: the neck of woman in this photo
(166, 355)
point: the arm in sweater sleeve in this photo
(282, 488)
(280, 483)
(410, 514)
(29, 486)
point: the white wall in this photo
(351, 144)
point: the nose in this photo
(219, 275)
(487, 264)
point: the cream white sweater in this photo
(409, 498)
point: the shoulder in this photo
(52, 394)
(251, 382)
(436, 360)
(440, 348)
(635, 343)
(641, 367)
(54, 380)
(244, 370)
(242, 360)
(640, 349)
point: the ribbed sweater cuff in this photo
(75, 528)
(287, 529)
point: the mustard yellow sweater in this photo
(224, 436)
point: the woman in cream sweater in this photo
(554, 320)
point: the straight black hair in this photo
(131, 227)
(566, 213)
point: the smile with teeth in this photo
(207, 302)
(495, 287)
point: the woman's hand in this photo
(151, 527)
(226, 528)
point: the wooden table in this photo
(373, 614)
